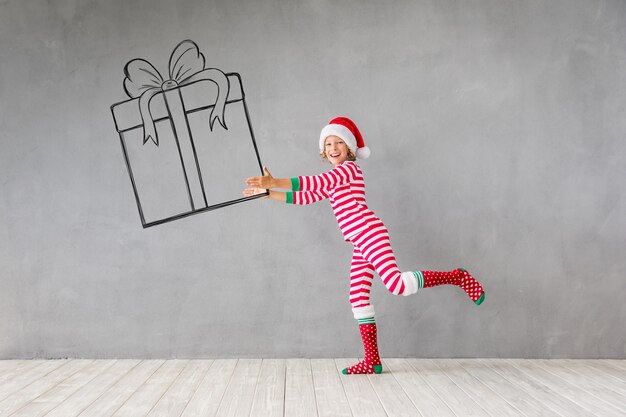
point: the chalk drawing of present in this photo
(187, 140)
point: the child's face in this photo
(336, 150)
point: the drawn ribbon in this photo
(186, 65)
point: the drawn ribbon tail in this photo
(149, 129)
(223, 88)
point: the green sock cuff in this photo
(289, 197)
(420, 279)
(368, 320)
(295, 184)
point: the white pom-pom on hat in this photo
(345, 129)
(363, 153)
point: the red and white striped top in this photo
(345, 188)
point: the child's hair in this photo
(351, 156)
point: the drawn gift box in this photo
(180, 161)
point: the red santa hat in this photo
(345, 129)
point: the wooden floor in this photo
(316, 387)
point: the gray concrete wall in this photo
(497, 133)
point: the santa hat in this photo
(345, 129)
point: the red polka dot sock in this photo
(459, 277)
(371, 364)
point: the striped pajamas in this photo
(345, 187)
(373, 252)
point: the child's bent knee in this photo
(410, 283)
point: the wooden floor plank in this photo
(7, 365)
(40, 386)
(299, 391)
(85, 395)
(207, 398)
(150, 392)
(237, 400)
(393, 398)
(9, 369)
(585, 382)
(361, 395)
(565, 389)
(616, 373)
(461, 403)
(615, 363)
(15, 380)
(425, 399)
(505, 388)
(118, 393)
(269, 397)
(491, 402)
(175, 399)
(540, 392)
(21, 368)
(329, 394)
(59, 393)
(583, 368)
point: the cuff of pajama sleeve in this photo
(289, 197)
(363, 312)
(295, 184)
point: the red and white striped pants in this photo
(373, 252)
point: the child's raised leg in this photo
(459, 277)
(375, 247)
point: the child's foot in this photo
(471, 287)
(459, 277)
(363, 368)
(371, 364)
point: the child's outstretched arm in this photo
(267, 182)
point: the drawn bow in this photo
(186, 66)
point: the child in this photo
(341, 143)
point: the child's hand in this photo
(266, 181)
(249, 192)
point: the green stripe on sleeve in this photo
(289, 199)
(369, 320)
(420, 279)
(295, 184)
